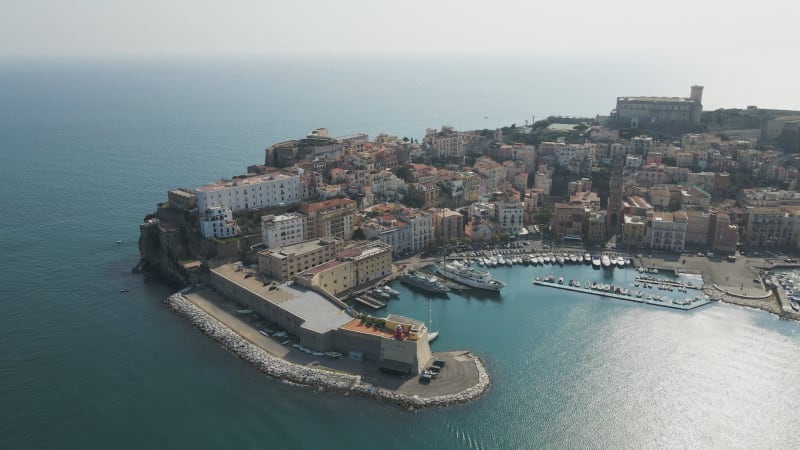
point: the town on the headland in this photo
(280, 262)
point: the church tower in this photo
(613, 219)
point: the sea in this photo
(89, 147)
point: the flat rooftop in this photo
(247, 181)
(298, 249)
(318, 313)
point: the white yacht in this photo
(480, 279)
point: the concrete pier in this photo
(666, 304)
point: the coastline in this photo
(311, 376)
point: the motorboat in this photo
(587, 259)
(606, 261)
(596, 262)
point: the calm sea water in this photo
(88, 149)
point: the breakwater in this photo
(685, 305)
(312, 376)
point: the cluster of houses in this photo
(334, 193)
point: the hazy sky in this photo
(746, 30)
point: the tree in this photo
(404, 172)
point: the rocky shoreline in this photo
(309, 376)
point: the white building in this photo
(508, 216)
(285, 229)
(218, 223)
(260, 191)
(386, 184)
(421, 223)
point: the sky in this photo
(87, 28)
(745, 52)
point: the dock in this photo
(692, 304)
(369, 302)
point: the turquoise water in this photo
(87, 150)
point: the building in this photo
(770, 227)
(480, 230)
(448, 225)
(509, 216)
(329, 218)
(182, 199)
(648, 111)
(697, 227)
(306, 314)
(615, 192)
(281, 230)
(218, 223)
(333, 277)
(448, 142)
(392, 231)
(421, 223)
(723, 236)
(543, 180)
(596, 231)
(694, 198)
(667, 230)
(371, 260)
(426, 195)
(568, 220)
(634, 230)
(282, 263)
(260, 191)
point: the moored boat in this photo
(587, 259)
(605, 261)
(425, 282)
(480, 279)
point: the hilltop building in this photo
(648, 111)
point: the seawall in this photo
(314, 377)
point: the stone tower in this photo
(615, 187)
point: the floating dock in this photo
(693, 303)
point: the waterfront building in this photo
(569, 220)
(218, 222)
(333, 277)
(329, 218)
(723, 236)
(282, 263)
(770, 227)
(634, 230)
(182, 199)
(645, 111)
(697, 227)
(259, 191)
(398, 343)
(480, 230)
(421, 223)
(299, 311)
(596, 227)
(281, 230)
(508, 215)
(371, 260)
(448, 225)
(615, 192)
(668, 230)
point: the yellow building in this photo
(371, 260)
(568, 220)
(283, 262)
(333, 277)
(634, 230)
(329, 218)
